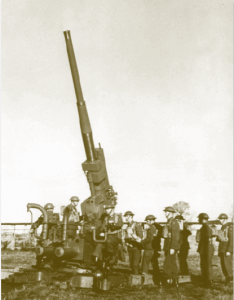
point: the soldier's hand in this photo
(102, 234)
(138, 239)
(172, 251)
(228, 253)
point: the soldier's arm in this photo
(175, 235)
(37, 223)
(207, 233)
(230, 239)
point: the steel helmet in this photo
(150, 217)
(170, 209)
(203, 216)
(223, 216)
(49, 206)
(128, 213)
(74, 198)
(179, 217)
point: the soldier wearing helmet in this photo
(133, 235)
(171, 233)
(113, 240)
(225, 239)
(49, 207)
(184, 245)
(147, 243)
(206, 250)
(74, 215)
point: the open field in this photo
(45, 291)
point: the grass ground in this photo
(45, 291)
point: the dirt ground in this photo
(46, 291)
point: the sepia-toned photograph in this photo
(116, 150)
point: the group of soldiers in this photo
(144, 245)
(175, 234)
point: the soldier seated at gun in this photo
(74, 215)
(53, 220)
(110, 247)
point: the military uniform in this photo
(148, 250)
(156, 245)
(112, 242)
(134, 248)
(206, 250)
(171, 242)
(74, 215)
(184, 249)
(227, 246)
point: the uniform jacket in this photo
(228, 245)
(147, 242)
(205, 244)
(173, 241)
(74, 215)
(133, 229)
(184, 234)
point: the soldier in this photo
(226, 247)
(74, 215)
(133, 239)
(49, 207)
(112, 242)
(171, 246)
(184, 245)
(156, 244)
(147, 243)
(206, 250)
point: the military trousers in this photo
(156, 271)
(226, 264)
(182, 256)
(170, 266)
(147, 258)
(134, 259)
(206, 266)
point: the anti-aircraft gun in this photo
(61, 244)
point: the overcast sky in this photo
(157, 80)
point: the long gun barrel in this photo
(85, 126)
(94, 167)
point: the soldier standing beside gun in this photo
(206, 250)
(184, 245)
(133, 239)
(147, 243)
(226, 247)
(171, 245)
